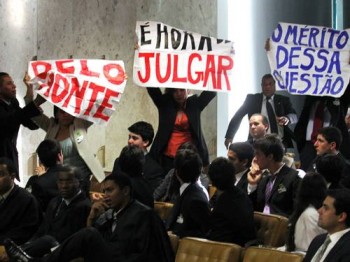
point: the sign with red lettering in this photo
(170, 57)
(86, 89)
(310, 60)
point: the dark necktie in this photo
(269, 186)
(318, 121)
(272, 116)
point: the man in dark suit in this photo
(329, 111)
(276, 189)
(334, 216)
(141, 135)
(12, 116)
(190, 214)
(281, 115)
(44, 187)
(241, 155)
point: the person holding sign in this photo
(179, 122)
(71, 132)
(277, 108)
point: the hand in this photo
(227, 142)
(97, 209)
(255, 173)
(39, 170)
(282, 121)
(26, 79)
(267, 45)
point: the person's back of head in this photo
(143, 129)
(331, 167)
(221, 173)
(332, 134)
(244, 151)
(132, 160)
(270, 144)
(49, 152)
(188, 165)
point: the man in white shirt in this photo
(334, 216)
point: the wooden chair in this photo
(174, 240)
(271, 229)
(163, 209)
(261, 254)
(198, 250)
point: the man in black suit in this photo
(190, 214)
(12, 116)
(241, 155)
(44, 187)
(281, 115)
(141, 135)
(276, 189)
(332, 112)
(334, 216)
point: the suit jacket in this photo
(283, 192)
(252, 105)
(167, 114)
(78, 134)
(236, 223)
(11, 117)
(337, 109)
(19, 216)
(243, 182)
(193, 207)
(339, 253)
(68, 221)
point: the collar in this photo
(4, 196)
(278, 170)
(271, 97)
(239, 176)
(337, 235)
(6, 102)
(68, 201)
(183, 187)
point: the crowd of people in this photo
(53, 218)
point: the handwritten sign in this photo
(87, 89)
(310, 60)
(170, 57)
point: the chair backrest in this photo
(197, 250)
(163, 209)
(174, 241)
(262, 254)
(271, 229)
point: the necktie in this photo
(318, 121)
(61, 207)
(269, 187)
(320, 252)
(272, 116)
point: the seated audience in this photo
(19, 210)
(334, 217)
(232, 216)
(119, 229)
(331, 168)
(303, 221)
(131, 161)
(190, 214)
(275, 189)
(141, 135)
(44, 187)
(65, 215)
(169, 189)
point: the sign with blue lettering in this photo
(310, 60)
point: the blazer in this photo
(339, 253)
(243, 182)
(167, 115)
(283, 192)
(337, 108)
(252, 105)
(11, 117)
(78, 134)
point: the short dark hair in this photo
(330, 166)
(331, 134)
(10, 165)
(48, 151)
(76, 172)
(243, 150)
(341, 202)
(222, 173)
(2, 76)
(121, 179)
(143, 129)
(266, 76)
(188, 165)
(188, 145)
(270, 144)
(132, 160)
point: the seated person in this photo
(190, 214)
(331, 168)
(232, 216)
(131, 161)
(169, 189)
(119, 229)
(44, 187)
(141, 135)
(19, 210)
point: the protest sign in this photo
(170, 57)
(86, 89)
(310, 60)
